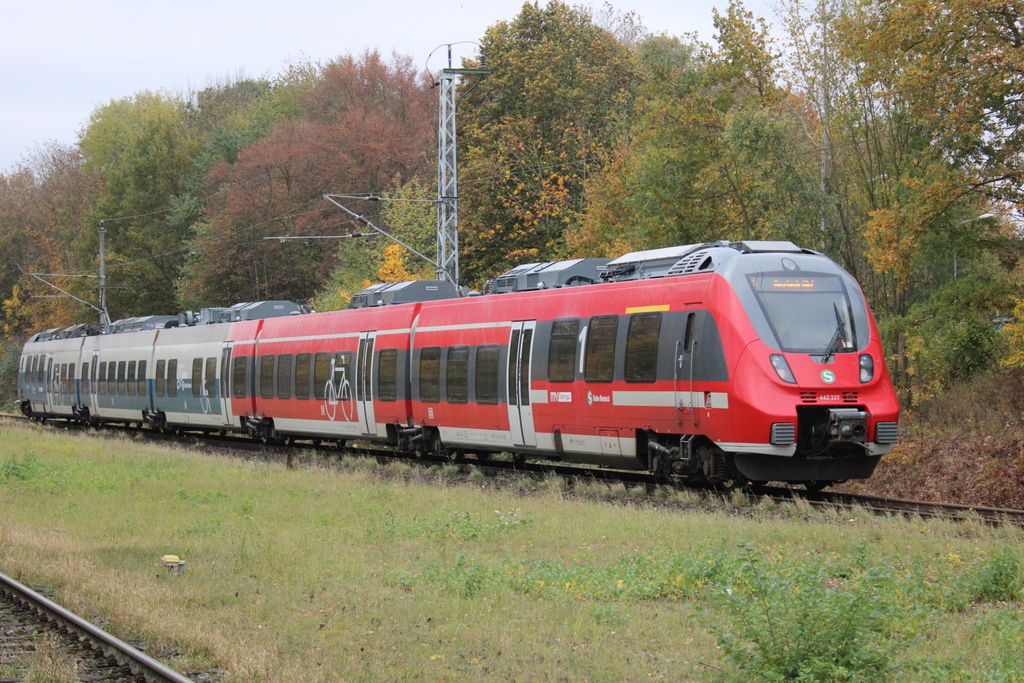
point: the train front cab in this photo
(812, 399)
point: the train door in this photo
(225, 384)
(94, 399)
(683, 374)
(50, 384)
(520, 410)
(364, 382)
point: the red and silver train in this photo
(744, 361)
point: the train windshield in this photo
(807, 312)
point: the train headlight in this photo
(867, 368)
(782, 368)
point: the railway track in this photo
(31, 624)
(819, 499)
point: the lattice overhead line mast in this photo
(448, 174)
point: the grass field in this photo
(370, 573)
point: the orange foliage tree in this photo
(364, 122)
(532, 132)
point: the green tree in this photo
(141, 150)
(409, 214)
(717, 151)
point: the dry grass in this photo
(313, 574)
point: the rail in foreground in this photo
(137, 663)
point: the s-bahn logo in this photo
(827, 376)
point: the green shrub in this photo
(995, 579)
(813, 620)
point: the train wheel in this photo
(456, 455)
(815, 486)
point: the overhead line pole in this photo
(448, 174)
(104, 316)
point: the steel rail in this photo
(878, 504)
(125, 655)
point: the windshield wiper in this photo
(837, 339)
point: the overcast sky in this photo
(60, 59)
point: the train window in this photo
(642, 347)
(302, 377)
(487, 374)
(141, 379)
(197, 377)
(513, 352)
(172, 377)
(161, 379)
(130, 383)
(430, 374)
(599, 364)
(122, 373)
(335, 369)
(48, 377)
(86, 385)
(387, 375)
(34, 369)
(284, 375)
(210, 381)
(101, 380)
(267, 376)
(457, 372)
(71, 378)
(562, 351)
(239, 374)
(225, 373)
(688, 335)
(524, 369)
(321, 375)
(364, 362)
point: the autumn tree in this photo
(912, 178)
(365, 122)
(532, 132)
(45, 209)
(958, 65)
